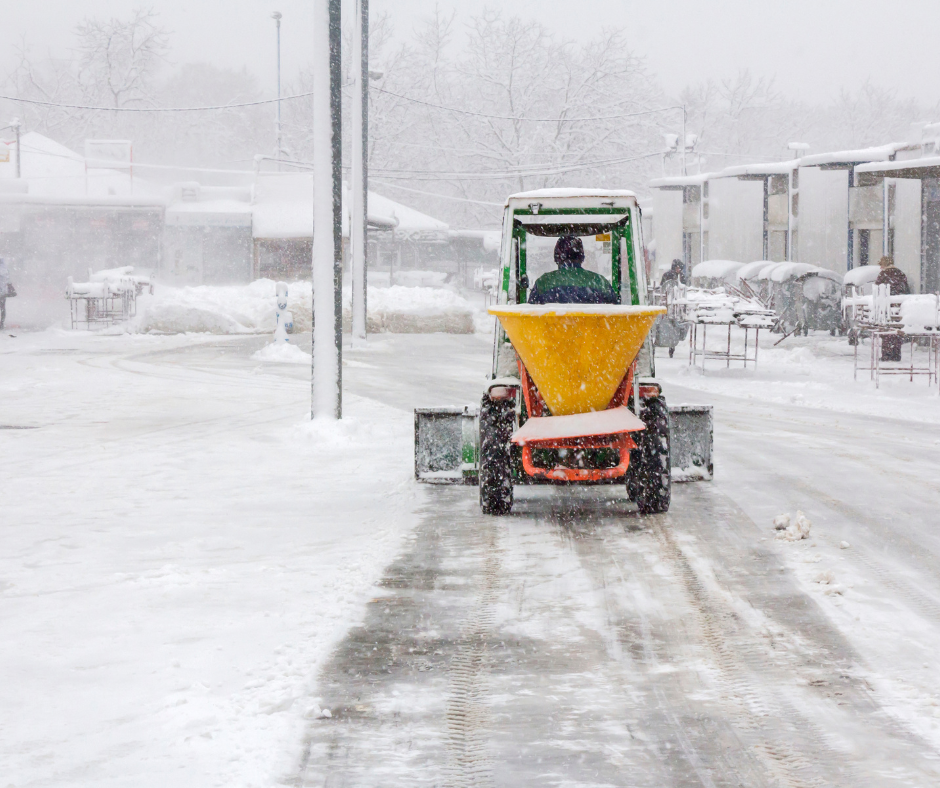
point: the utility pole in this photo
(684, 118)
(276, 16)
(326, 400)
(358, 229)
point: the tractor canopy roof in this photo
(576, 197)
(555, 212)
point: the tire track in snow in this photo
(469, 762)
(712, 753)
(752, 709)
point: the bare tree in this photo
(511, 106)
(119, 59)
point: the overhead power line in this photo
(156, 109)
(428, 175)
(527, 120)
(436, 194)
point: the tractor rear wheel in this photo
(497, 418)
(649, 481)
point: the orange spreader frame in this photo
(536, 408)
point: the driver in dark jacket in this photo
(570, 283)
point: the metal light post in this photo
(358, 229)
(276, 16)
(326, 358)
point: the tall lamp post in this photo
(358, 230)
(326, 400)
(276, 16)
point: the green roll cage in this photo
(621, 236)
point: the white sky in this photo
(812, 47)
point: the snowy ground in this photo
(190, 573)
(180, 552)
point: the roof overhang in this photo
(676, 182)
(927, 167)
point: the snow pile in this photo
(282, 353)
(246, 309)
(413, 310)
(792, 531)
(861, 276)
(716, 269)
(235, 309)
(919, 313)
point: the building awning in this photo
(680, 181)
(926, 167)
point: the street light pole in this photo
(326, 400)
(358, 231)
(276, 16)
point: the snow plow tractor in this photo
(571, 398)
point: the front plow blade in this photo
(447, 445)
(691, 439)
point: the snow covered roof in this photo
(54, 171)
(677, 181)
(406, 221)
(927, 166)
(769, 168)
(283, 208)
(878, 153)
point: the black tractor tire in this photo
(649, 481)
(497, 419)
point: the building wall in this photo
(823, 218)
(207, 255)
(735, 220)
(667, 226)
(46, 244)
(906, 225)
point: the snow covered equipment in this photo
(571, 398)
(447, 445)
(107, 298)
(690, 442)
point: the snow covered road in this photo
(577, 643)
(187, 568)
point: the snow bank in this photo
(235, 309)
(282, 353)
(245, 309)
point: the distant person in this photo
(674, 276)
(570, 283)
(6, 290)
(894, 277)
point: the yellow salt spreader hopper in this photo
(572, 398)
